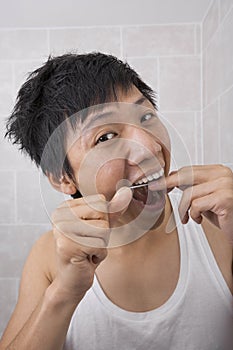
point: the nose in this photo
(144, 146)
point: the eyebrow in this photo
(98, 117)
(140, 101)
(105, 115)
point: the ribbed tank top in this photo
(197, 316)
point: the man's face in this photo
(123, 143)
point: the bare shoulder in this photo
(43, 255)
(221, 248)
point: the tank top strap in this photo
(200, 258)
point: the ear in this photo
(65, 184)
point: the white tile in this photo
(212, 70)
(181, 126)
(11, 157)
(84, 40)
(226, 50)
(16, 243)
(226, 127)
(225, 6)
(6, 88)
(199, 138)
(21, 70)
(218, 63)
(7, 198)
(210, 23)
(8, 299)
(180, 83)
(158, 40)
(23, 44)
(211, 134)
(198, 39)
(36, 199)
(147, 68)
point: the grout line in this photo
(227, 13)
(165, 56)
(20, 60)
(179, 111)
(207, 11)
(101, 26)
(219, 134)
(202, 94)
(220, 25)
(202, 137)
(215, 99)
(195, 139)
(158, 82)
(42, 59)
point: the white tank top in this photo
(197, 316)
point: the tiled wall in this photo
(169, 57)
(217, 46)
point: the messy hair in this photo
(60, 88)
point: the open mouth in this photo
(142, 192)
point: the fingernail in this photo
(122, 189)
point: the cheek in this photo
(108, 177)
(164, 139)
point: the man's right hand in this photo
(82, 229)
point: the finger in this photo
(196, 174)
(120, 201)
(83, 212)
(93, 233)
(84, 200)
(201, 205)
(72, 252)
(194, 192)
(201, 190)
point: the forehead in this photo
(127, 106)
(126, 103)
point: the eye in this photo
(106, 137)
(147, 116)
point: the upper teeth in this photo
(151, 177)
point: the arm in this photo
(43, 312)
(58, 273)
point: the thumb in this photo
(120, 201)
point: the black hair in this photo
(57, 90)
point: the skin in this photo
(59, 271)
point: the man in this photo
(109, 274)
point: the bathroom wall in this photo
(217, 79)
(168, 57)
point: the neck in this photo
(153, 237)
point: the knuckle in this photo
(101, 197)
(226, 171)
(195, 205)
(62, 248)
